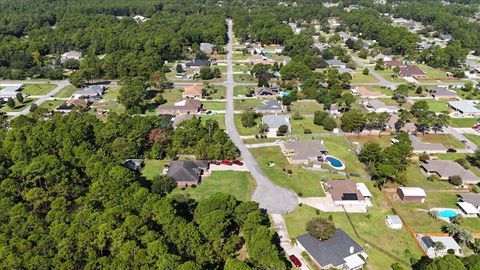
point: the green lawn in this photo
(244, 78)
(415, 178)
(387, 74)
(381, 89)
(463, 122)
(239, 184)
(240, 56)
(240, 67)
(359, 77)
(474, 138)
(51, 104)
(337, 146)
(172, 95)
(220, 118)
(306, 107)
(242, 90)
(302, 181)
(444, 139)
(383, 140)
(255, 140)
(38, 89)
(433, 73)
(153, 168)
(214, 105)
(298, 126)
(112, 93)
(218, 92)
(18, 106)
(437, 105)
(246, 104)
(244, 131)
(66, 92)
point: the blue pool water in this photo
(447, 213)
(334, 162)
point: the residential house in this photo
(206, 47)
(471, 198)
(345, 36)
(378, 106)
(442, 93)
(339, 251)
(254, 49)
(179, 118)
(259, 59)
(10, 90)
(193, 92)
(411, 194)
(420, 147)
(445, 37)
(334, 63)
(75, 55)
(267, 92)
(90, 92)
(187, 106)
(188, 172)
(140, 19)
(394, 63)
(394, 222)
(465, 107)
(448, 168)
(468, 209)
(198, 63)
(428, 245)
(334, 110)
(269, 106)
(64, 108)
(278, 49)
(320, 46)
(385, 58)
(412, 71)
(82, 103)
(346, 70)
(424, 45)
(298, 152)
(348, 193)
(274, 122)
(133, 164)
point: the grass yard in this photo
(463, 122)
(246, 104)
(444, 139)
(433, 73)
(51, 104)
(415, 178)
(241, 68)
(112, 93)
(18, 106)
(437, 105)
(240, 56)
(359, 77)
(255, 140)
(337, 146)
(172, 95)
(153, 168)
(220, 118)
(306, 107)
(214, 105)
(38, 89)
(370, 226)
(474, 138)
(239, 184)
(244, 131)
(242, 90)
(298, 126)
(387, 74)
(303, 182)
(218, 92)
(381, 89)
(66, 92)
(391, 102)
(454, 156)
(244, 78)
(112, 106)
(384, 141)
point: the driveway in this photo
(273, 198)
(469, 144)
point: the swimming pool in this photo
(335, 163)
(447, 213)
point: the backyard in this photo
(359, 77)
(298, 126)
(306, 107)
(463, 122)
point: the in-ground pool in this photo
(447, 213)
(335, 162)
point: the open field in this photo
(239, 184)
(298, 126)
(359, 77)
(214, 105)
(38, 89)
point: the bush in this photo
(319, 117)
(248, 119)
(424, 157)
(283, 129)
(366, 71)
(455, 180)
(463, 162)
(320, 228)
(476, 189)
(307, 131)
(329, 123)
(433, 178)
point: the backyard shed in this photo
(411, 194)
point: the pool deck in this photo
(446, 219)
(336, 168)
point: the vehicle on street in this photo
(295, 261)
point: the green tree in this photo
(11, 103)
(248, 119)
(366, 71)
(320, 228)
(163, 184)
(132, 96)
(353, 121)
(19, 97)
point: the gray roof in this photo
(418, 145)
(448, 168)
(275, 121)
(133, 164)
(472, 198)
(267, 91)
(464, 106)
(206, 47)
(308, 149)
(198, 63)
(187, 170)
(394, 219)
(335, 62)
(270, 105)
(441, 91)
(378, 104)
(332, 251)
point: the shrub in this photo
(463, 162)
(476, 189)
(455, 180)
(289, 171)
(424, 157)
(307, 131)
(283, 129)
(366, 71)
(320, 228)
(329, 123)
(319, 117)
(433, 178)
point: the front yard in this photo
(359, 77)
(38, 89)
(306, 107)
(246, 104)
(463, 122)
(444, 139)
(214, 105)
(437, 105)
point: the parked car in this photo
(295, 261)
(451, 150)
(216, 162)
(237, 162)
(227, 162)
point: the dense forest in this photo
(67, 202)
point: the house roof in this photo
(270, 105)
(267, 91)
(198, 63)
(364, 190)
(468, 208)
(206, 47)
(193, 90)
(335, 62)
(411, 71)
(332, 251)
(305, 149)
(394, 219)
(448, 168)
(72, 54)
(187, 104)
(345, 190)
(441, 91)
(178, 119)
(187, 170)
(464, 106)
(394, 63)
(413, 192)
(418, 145)
(447, 241)
(378, 105)
(275, 121)
(472, 198)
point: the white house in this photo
(468, 209)
(75, 55)
(394, 222)
(428, 245)
(274, 122)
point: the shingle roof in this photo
(335, 62)
(441, 91)
(464, 106)
(275, 121)
(270, 105)
(345, 190)
(193, 90)
(448, 168)
(411, 71)
(332, 251)
(472, 198)
(305, 149)
(187, 170)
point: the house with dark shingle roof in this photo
(448, 168)
(269, 106)
(412, 71)
(339, 252)
(188, 172)
(442, 93)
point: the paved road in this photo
(469, 144)
(275, 199)
(38, 102)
